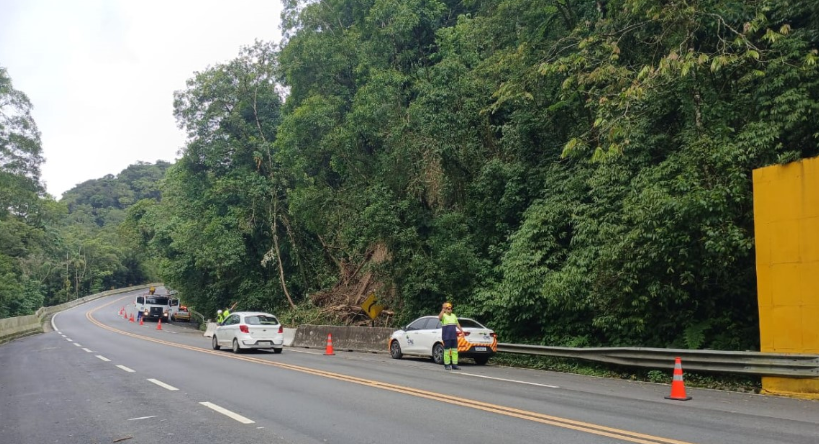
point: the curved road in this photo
(101, 379)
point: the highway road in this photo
(101, 379)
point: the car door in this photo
(227, 331)
(429, 335)
(173, 307)
(409, 340)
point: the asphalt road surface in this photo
(101, 379)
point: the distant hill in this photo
(104, 200)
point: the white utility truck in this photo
(155, 307)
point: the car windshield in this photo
(160, 300)
(261, 320)
(469, 323)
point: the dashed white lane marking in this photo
(142, 417)
(87, 350)
(509, 380)
(162, 384)
(104, 358)
(69, 339)
(78, 345)
(126, 369)
(228, 413)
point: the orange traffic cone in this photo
(159, 324)
(329, 349)
(677, 384)
(125, 315)
(132, 318)
(141, 322)
(121, 310)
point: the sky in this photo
(100, 74)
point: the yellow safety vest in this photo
(449, 319)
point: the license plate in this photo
(480, 349)
(265, 342)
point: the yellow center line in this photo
(556, 421)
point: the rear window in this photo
(261, 320)
(469, 323)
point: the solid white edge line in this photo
(162, 384)
(509, 380)
(227, 413)
(126, 369)
(104, 358)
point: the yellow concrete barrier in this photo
(786, 225)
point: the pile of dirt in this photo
(357, 281)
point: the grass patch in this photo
(304, 314)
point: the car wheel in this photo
(481, 360)
(236, 348)
(214, 343)
(438, 353)
(395, 350)
(277, 350)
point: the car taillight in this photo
(463, 333)
(466, 333)
(243, 328)
(494, 335)
(281, 329)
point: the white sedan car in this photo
(249, 330)
(423, 337)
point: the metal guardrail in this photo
(747, 363)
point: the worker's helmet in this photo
(447, 305)
(218, 311)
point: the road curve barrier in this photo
(17, 327)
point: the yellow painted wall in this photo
(786, 214)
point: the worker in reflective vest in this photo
(449, 334)
(219, 317)
(226, 312)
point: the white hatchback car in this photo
(249, 330)
(423, 337)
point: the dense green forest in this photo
(570, 172)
